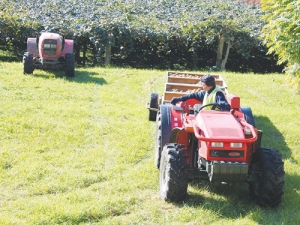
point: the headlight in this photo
(236, 145)
(217, 144)
(247, 131)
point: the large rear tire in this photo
(70, 65)
(250, 119)
(173, 173)
(28, 63)
(267, 172)
(162, 133)
(248, 115)
(157, 147)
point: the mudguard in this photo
(179, 136)
(32, 47)
(68, 47)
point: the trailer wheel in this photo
(153, 105)
(173, 173)
(28, 63)
(267, 173)
(163, 132)
(70, 65)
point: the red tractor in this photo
(49, 51)
(214, 146)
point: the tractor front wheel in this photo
(173, 173)
(28, 63)
(267, 177)
(70, 65)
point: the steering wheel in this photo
(215, 105)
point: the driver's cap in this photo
(208, 79)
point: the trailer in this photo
(177, 85)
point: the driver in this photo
(211, 93)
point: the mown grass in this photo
(80, 150)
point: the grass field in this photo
(81, 150)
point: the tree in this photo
(216, 22)
(229, 24)
(282, 32)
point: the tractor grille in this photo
(50, 47)
(227, 154)
(49, 61)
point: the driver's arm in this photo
(221, 100)
(196, 95)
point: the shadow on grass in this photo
(272, 138)
(81, 76)
(230, 200)
(234, 202)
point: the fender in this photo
(180, 136)
(32, 47)
(68, 47)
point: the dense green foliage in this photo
(282, 32)
(81, 150)
(145, 33)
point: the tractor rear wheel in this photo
(173, 173)
(157, 147)
(70, 65)
(28, 63)
(267, 172)
(248, 115)
(163, 131)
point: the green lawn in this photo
(81, 150)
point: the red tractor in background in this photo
(49, 51)
(210, 145)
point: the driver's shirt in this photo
(220, 97)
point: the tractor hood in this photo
(219, 125)
(50, 45)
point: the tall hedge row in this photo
(174, 34)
